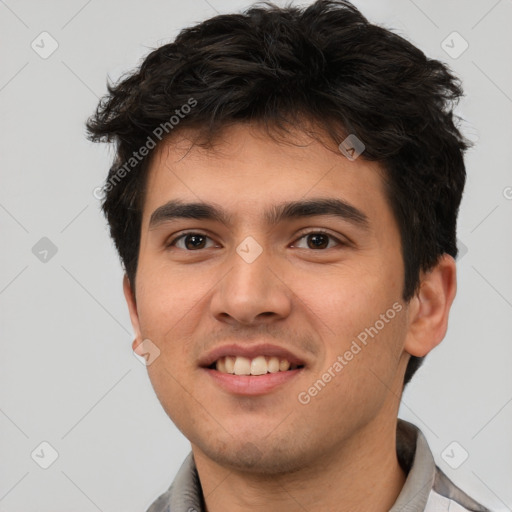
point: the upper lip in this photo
(249, 351)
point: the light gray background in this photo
(68, 375)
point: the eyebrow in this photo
(177, 209)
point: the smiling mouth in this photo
(260, 365)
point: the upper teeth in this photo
(260, 365)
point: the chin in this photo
(257, 458)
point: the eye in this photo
(318, 240)
(191, 241)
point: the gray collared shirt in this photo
(426, 489)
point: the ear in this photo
(430, 307)
(132, 308)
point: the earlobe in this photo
(132, 308)
(430, 308)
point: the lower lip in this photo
(252, 384)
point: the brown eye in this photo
(194, 241)
(191, 241)
(318, 240)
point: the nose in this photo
(251, 292)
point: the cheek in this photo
(347, 301)
(360, 317)
(169, 300)
(169, 307)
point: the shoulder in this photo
(426, 487)
(445, 495)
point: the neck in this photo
(362, 474)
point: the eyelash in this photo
(173, 241)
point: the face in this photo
(241, 283)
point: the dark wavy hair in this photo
(324, 63)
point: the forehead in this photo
(247, 171)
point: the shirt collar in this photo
(416, 460)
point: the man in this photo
(284, 200)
